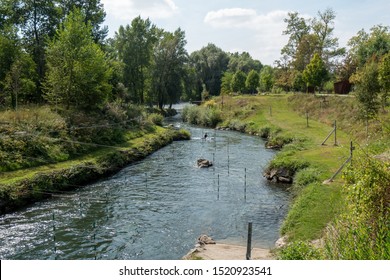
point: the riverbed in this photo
(156, 208)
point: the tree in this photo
(9, 49)
(243, 62)
(384, 78)
(78, 74)
(315, 73)
(323, 28)
(169, 57)
(252, 81)
(367, 89)
(365, 47)
(37, 21)
(135, 45)
(226, 82)
(266, 79)
(94, 14)
(238, 82)
(20, 80)
(297, 28)
(311, 36)
(210, 63)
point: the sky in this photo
(254, 26)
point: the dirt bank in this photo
(221, 251)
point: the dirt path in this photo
(227, 252)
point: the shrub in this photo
(156, 119)
(299, 251)
(363, 231)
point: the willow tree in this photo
(78, 74)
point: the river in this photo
(157, 208)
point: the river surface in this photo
(157, 208)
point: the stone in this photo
(205, 239)
(204, 163)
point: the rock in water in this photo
(204, 163)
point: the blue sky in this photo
(254, 26)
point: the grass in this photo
(135, 139)
(284, 116)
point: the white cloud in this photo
(264, 31)
(235, 17)
(128, 9)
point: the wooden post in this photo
(249, 242)
(307, 119)
(335, 133)
(352, 148)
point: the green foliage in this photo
(204, 116)
(305, 177)
(363, 231)
(367, 90)
(252, 81)
(384, 78)
(20, 82)
(134, 44)
(156, 119)
(210, 63)
(243, 62)
(299, 251)
(238, 82)
(315, 72)
(365, 47)
(78, 74)
(266, 79)
(168, 70)
(226, 82)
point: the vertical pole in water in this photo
(249, 242)
(335, 133)
(54, 236)
(228, 156)
(218, 188)
(228, 165)
(94, 239)
(146, 180)
(245, 185)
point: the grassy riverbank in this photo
(40, 164)
(283, 121)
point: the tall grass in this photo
(363, 231)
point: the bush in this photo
(156, 119)
(300, 251)
(363, 231)
(204, 116)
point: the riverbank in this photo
(220, 251)
(23, 187)
(297, 125)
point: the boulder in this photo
(205, 239)
(279, 175)
(204, 163)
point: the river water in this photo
(157, 208)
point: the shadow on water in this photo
(156, 208)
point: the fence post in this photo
(249, 242)
(307, 119)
